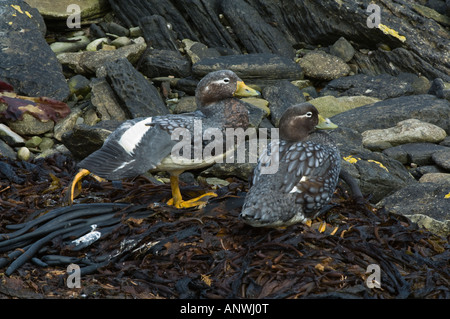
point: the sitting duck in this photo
(144, 144)
(308, 171)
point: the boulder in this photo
(88, 62)
(342, 49)
(256, 35)
(407, 131)
(105, 101)
(323, 66)
(329, 106)
(156, 33)
(259, 68)
(417, 153)
(26, 60)
(164, 63)
(58, 10)
(424, 203)
(381, 86)
(282, 95)
(388, 113)
(442, 158)
(135, 93)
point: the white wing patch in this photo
(296, 189)
(133, 136)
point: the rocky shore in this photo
(387, 89)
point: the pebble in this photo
(342, 49)
(96, 44)
(323, 66)
(24, 153)
(33, 142)
(76, 43)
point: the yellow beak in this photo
(325, 124)
(243, 90)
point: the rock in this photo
(252, 68)
(419, 171)
(10, 137)
(87, 63)
(79, 85)
(342, 49)
(46, 144)
(33, 142)
(282, 95)
(323, 66)
(381, 86)
(105, 101)
(23, 52)
(377, 174)
(29, 125)
(135, 93)
(329, 106)
(442, 158)
(7, 151)
(156, 32)
(84, 139)
(130, 15)
(243, 171)
(435, 178)
(52, 10)
(256, 35)
(164, 63)
(96, 32)
(207, 23)
(417, 153)
(97, 44)
(73, 44)
(66, 124)
(121, 42)
(407, 131)
(388, 113)
(438, 88)
(23, 154)
(433, 211)
(114, 28)
(185, 104)
(198, 51)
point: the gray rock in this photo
(10, 137)
(164, 63)
(84, 139)
(105, 101)
(198, 51)
(252, 68)
(329, 106)
(323, 66)
(417, 153)
(58, 10)
(433, 212)
(253, 31)
(343, 49)
(282, 95)
(23, 153)
(24, 52)
(33, 142)
(377, 174)
(66, 124)
(46, 144)
(135, 93)
(186, 104)
(157, 33)
(438, 88)
(87, 62)
(388, 113)
(407, 131)
(435, 178)
(29, 125)
(73, 44)
(7, 151)
(381, 86)
(121, 42)
(442, 158)
(79, 85)
(114, 28)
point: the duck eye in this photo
(226, 80)
(309, 114)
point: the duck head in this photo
(221, 85)
(300, 120)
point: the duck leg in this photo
(76, 182)
(177, 200)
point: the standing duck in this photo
(308, 171)
(144, 144)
